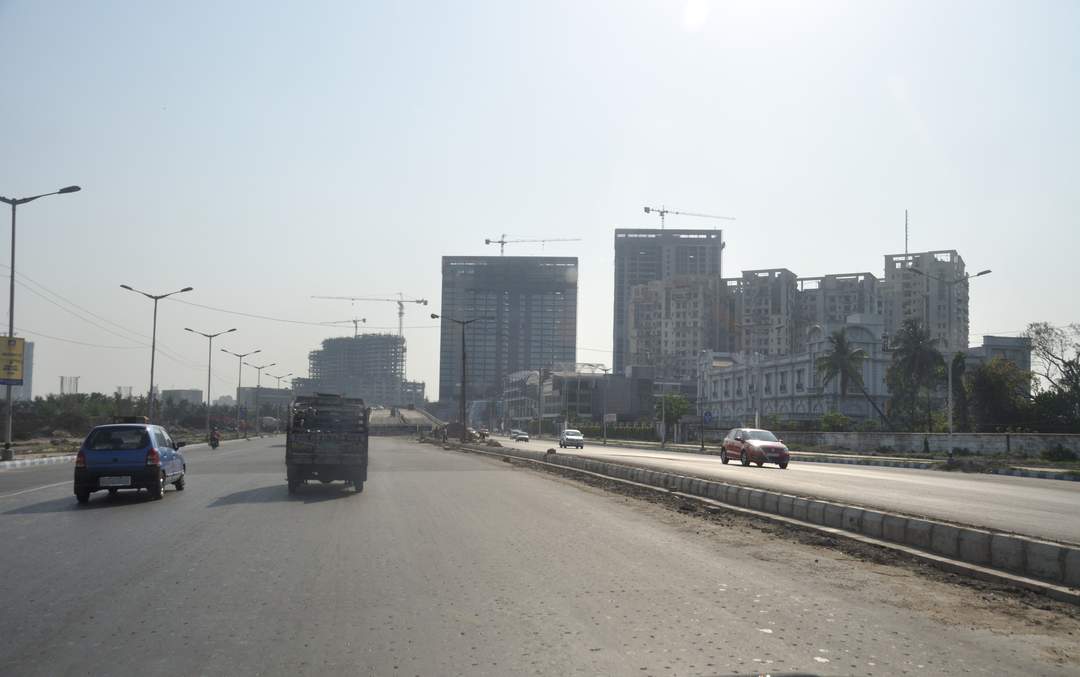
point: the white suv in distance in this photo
(572, 438)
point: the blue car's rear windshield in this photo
(118, 439)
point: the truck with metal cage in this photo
(327, 440)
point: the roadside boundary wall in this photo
(977, 444)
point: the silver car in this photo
(572, 438)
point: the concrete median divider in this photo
(1036, 560)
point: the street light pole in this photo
(701, 404)
(948, 337)
(8, 454)
(153, 340)
(239, 376)
(278, 386)
(258, 388)
(209, 362)
(462, 324)
(277, 407)
(606, 371)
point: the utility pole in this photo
(8, 454)
(153, 340)
(209, 362)
(606, 371)
(948, 336)
(462, 324)
(258, 389)
(239, 378)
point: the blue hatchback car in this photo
(128, 456)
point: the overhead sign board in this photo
(11, 361)
(611, 418)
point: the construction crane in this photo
(400, 301)
(664, 211)
(502, 241)
(356, 321)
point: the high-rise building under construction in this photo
(370, 366)
(526, 312)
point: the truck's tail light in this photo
(153, 457)
(80, 459)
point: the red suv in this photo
(751, 445)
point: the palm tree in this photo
(843, 362)
(916, 363)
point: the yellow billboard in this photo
(11, 361)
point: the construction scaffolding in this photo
(368, 366)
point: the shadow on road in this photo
(279, 493)
(98, 501)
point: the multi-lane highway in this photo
(450, 563)
(1032, 507)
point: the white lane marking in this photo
(27, 491)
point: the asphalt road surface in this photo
(1023, 505)
(450, 563)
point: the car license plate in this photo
(114, 482)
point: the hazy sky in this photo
(266, 152)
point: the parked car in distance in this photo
(128, 456)
(520, 436)
(572, 438)
(753, 445)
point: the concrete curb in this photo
(31, 462)
(1040, 474)
(1051, 568)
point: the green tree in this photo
(999, 395)
(961, 414)
(914, 374)
(672, 407)
(843, 362)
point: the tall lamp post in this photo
(462, 324)
(239, 377)
(277, 407)
(278, 378)
(8, 454)
(603, 424)
(948, 334)
(258, 387)
(209, 362)
(153, 340)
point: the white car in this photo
(520, 436)
(572, 438)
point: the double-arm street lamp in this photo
(153, 341)
(239, 377)
(258, 386)
(209, 361)
(462, 324)
(948, 333)
(15, 202)
(279, 378)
